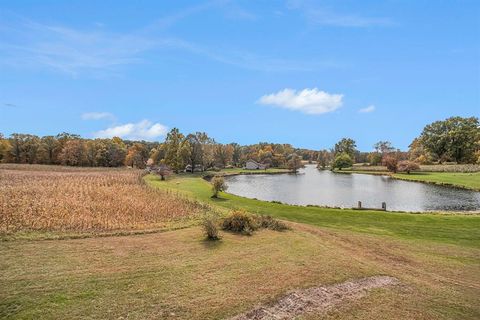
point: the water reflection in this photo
(315, 187)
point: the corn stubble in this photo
(63, 199)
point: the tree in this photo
(390, 162)
(223, 155)
(194, 150)
(173, 145)
(4, 149)
(294, 162)
(218, 184)
(163, 171)
(346, 145)
(137, 156)
(324, 158)
(407, 166)
(73, 153)
(374, 158)
(49, 148)
(455, 138)
(342, 160)
(383, 147)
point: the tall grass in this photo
(79, 199)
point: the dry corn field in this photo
(48, 198)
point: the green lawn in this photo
(456, 229)
(466, 180)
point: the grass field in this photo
(179, 275)
(457, 229)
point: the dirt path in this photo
(316, 299)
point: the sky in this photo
(302, 72)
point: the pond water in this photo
(322, 187)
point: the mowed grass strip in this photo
(179, 275)
(456, 229)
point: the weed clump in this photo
(210, 227)
(268, 222)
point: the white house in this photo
(254, 165)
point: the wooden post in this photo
(384, 206)
(359, 204)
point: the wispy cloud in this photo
(98, 116)
(368, 109)
(317, 15)
(143, 130)
(96, 51)
(309, 101)
(27, 43)
(9, 105)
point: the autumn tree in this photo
(223, 155)
(294, 162)
(137, 156)
(73, 153)
(407, 166)
(49, 149)
(390, 162)
(324, 158)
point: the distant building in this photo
(198, 168)
(254, 165)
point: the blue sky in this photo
(301, 72)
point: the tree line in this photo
(178, 151)
(454, 139)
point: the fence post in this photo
(384, 206)
(359, 204)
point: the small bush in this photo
(210, 223)
(267, 222)
(245, 223)
(241, 222)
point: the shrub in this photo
(245, 223)
(218, 184)
(209, 224)
(267, 222)
(407, 166)
(241, 222)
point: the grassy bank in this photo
(457, 229)
(465, 180)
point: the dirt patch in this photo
(316, 299)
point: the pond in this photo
(325, 188)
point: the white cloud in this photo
(368, 109)
(309, 101)
(98, 116)
(143, 130)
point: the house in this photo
(198, 168)
(254, 165)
